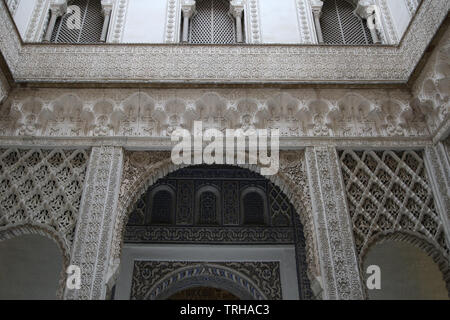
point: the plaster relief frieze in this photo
(238, 63)
(332, 113)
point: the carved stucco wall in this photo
(248, 280)
(390, 196)
(99, 113)
(431, 90)
(40, 193)
(4, 87)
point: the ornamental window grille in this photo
(213, 195)
(162, 204)
(212, 23)
(389, 192)
(341, 25)
(42, 188)
(254, 209)
(90, 28)
(207, 211)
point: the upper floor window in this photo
(341, 25)
(253, 206)
(162, 207)
(208, 206)
(212, 22)
(82, 21)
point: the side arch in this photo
(418, 240)
(11, 232)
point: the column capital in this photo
(58, 7)
(107, 7)
(365, 9)
(188, 8)
(236, 8)
(316, 7)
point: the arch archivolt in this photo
(142, 169)
(14, 231)
(439, 256)
(207, 274)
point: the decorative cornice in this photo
(212, 63)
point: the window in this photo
(208, 206)
(340, 25)
(207, 210)
(91, 23)
(254, 206)
(212, 23)
(253, 209)
(162, 206)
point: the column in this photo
(338, 260)
(370, 12)
(57, 9)
(92, 244)
(107, 9)
(316, 6)
(236, 9)
(437, 164)
(188, 9)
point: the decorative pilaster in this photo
(437, 163)
(316, 8)
(92, 244)
(337, 254)
(188, 9)
(57, 9)
(236, 10)
(12, 6)
(107, 7)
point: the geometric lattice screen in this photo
(340, 25)
(212, 23)
(42, 187)
(388, 191)
(91, 24)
